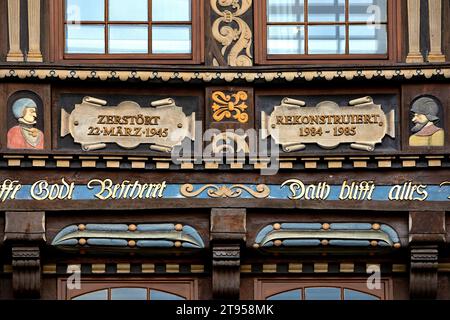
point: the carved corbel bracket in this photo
(24, 233)
(228, 232)
(424, 272)
(427, 232)
(226, 271)
(26, 272)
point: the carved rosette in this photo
(26, 272)
(232, 32)
(424, 272)
(226, 271)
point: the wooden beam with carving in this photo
(423, 282)
(228, 231)
(25, 232)
(233, 32)
(427, 231)
(26, 272)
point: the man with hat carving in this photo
(426, 133)
(25, 135)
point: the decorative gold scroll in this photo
(363, 124)
(92, 124)
(262, 191)
(227, 106)
(240, 38)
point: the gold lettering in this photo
(9, 189)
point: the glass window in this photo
(288, 295)
(322, 294)
(321, 289)
(96, 295)
(327, 27)
(137, 27)
(358, 295)
(160, 295)
(128, 294)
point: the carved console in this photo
(424, 272)
(227, 234)
(226, 271)
(26, 272)
(24, 233)
(427, 233)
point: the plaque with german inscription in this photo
(93, 124)
(362, 124)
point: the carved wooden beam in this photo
(427, 231)
(423, 282)
(226, 271)
(25, 232)
(15, 53)
(228, 232)
(414, 54)
(232, 31)
(435, 19)
(34, 31)
(26, 272)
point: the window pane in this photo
(160, 295)
(85, 10)
(85, 39)
(323, 294)
(372, 11)
(289, 295)
(97, 295)
(171, 10)
(285, 10)
(357, 295)
(171, 39)
(326, 10)
(129, 10)
(286, 40)
(368, 39)
(326, 40)
(128, 39)
(129, 294)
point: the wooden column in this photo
(34, 31)
(15, 53)
(414, 54)
(435, 18)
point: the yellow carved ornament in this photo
(230, 106)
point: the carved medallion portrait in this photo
(426, 131)
(25, 134)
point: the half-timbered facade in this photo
(224, 149)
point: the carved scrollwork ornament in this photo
(232, 32)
